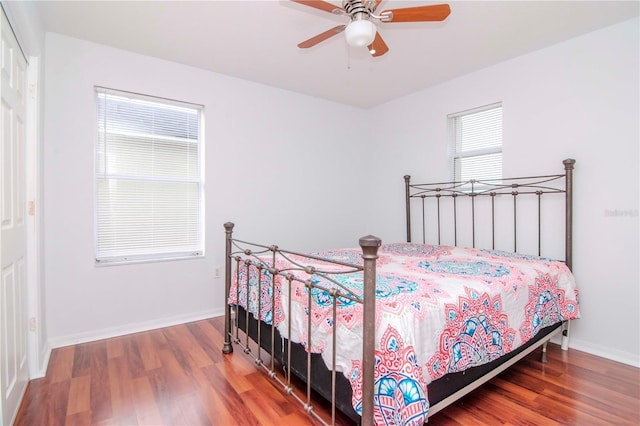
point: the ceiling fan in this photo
(361, 30)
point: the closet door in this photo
(14, 373)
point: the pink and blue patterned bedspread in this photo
(439, 310)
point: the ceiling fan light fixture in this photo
(360, 33)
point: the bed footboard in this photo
(265, 260)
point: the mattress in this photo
(440, 310)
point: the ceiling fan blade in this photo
(437, 12)
(322, 37)
(319, 4)
(378, 47)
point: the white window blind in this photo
(477, 141)
(149, 197)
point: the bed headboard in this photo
(462, 200)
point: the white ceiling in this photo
(256, 40)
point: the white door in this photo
(13, 237)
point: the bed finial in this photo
(227, 348)
(370, 241)
(369, 246)
(568, 163)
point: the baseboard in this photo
(41, 371)
(602, 351)
(605, 352)
(106, 333)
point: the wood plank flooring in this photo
(179, 376)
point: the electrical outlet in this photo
(216, 272)
(32, 324)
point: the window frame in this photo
(157, 254)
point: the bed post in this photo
(568, 168)
(227, 348)
(408, 205)
(369, 245)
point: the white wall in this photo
(577, 99)
(267, 152)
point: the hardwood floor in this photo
(178, 375)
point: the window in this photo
(148, 177)
(477, 143)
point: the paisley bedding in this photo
(439, 310)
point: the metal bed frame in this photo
(243, 254)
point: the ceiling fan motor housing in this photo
(357, 9)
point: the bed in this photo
(415, 325)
